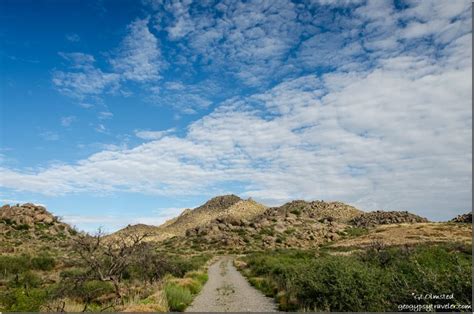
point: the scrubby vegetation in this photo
(101, 276)
(379, 279)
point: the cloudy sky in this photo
(117, 112)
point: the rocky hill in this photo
(226, 206)
(298, 224)
(465, 218)
(28, 224)
(379, 217)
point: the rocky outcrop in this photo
(465, 218)
(218, 203)
(375, 218)
(23, 226)
(226, 206)
(297, 224)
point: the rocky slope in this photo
(28, 224)
(297, 224)
(375, 218)
(226, 206)
(465, 218)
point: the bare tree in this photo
(108, 258)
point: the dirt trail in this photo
(228, 291)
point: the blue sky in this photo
(125, 112)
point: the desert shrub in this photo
(441, 269)
(356, 231)
(267, 231)
(12, 265)
(377, 280)
(296, 212)
(89, 291)
(23, 300)
(178, 297)
(43, 262)
(266, 285)
(147, 267)
(200, 276)
(178, 265)
(72, 273)
(192, 285)
(26, 280)
(338, 283)
(22, 227)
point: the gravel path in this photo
(228, 291)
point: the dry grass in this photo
(156, 302)
(410, 234)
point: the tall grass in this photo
(178, 297)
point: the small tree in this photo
(108, 258)
(148, 265)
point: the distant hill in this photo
(226, 206)
(297, 224)
(229, 222)
(465, 218)
(29, 226)
(379, 217)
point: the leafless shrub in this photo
(107, 259)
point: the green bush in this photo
(72, 273)
(356, 231)
(26, 280)
(43, 262)
(376, 280)
(23, 300)
(89, 291)
(201, 277)
(22, 227)
(178, 297)
(266, 285)
(12, 265)
(178, 265)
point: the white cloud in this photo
(84, 80)
(152, 135)
(86, 105)
(105, 115)
(138, 56)
(251, 40)
(89, 82)
(395, 136)
(78, 60)
(101, 128)
(67, 121)
(186, 98)
(391, 129)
